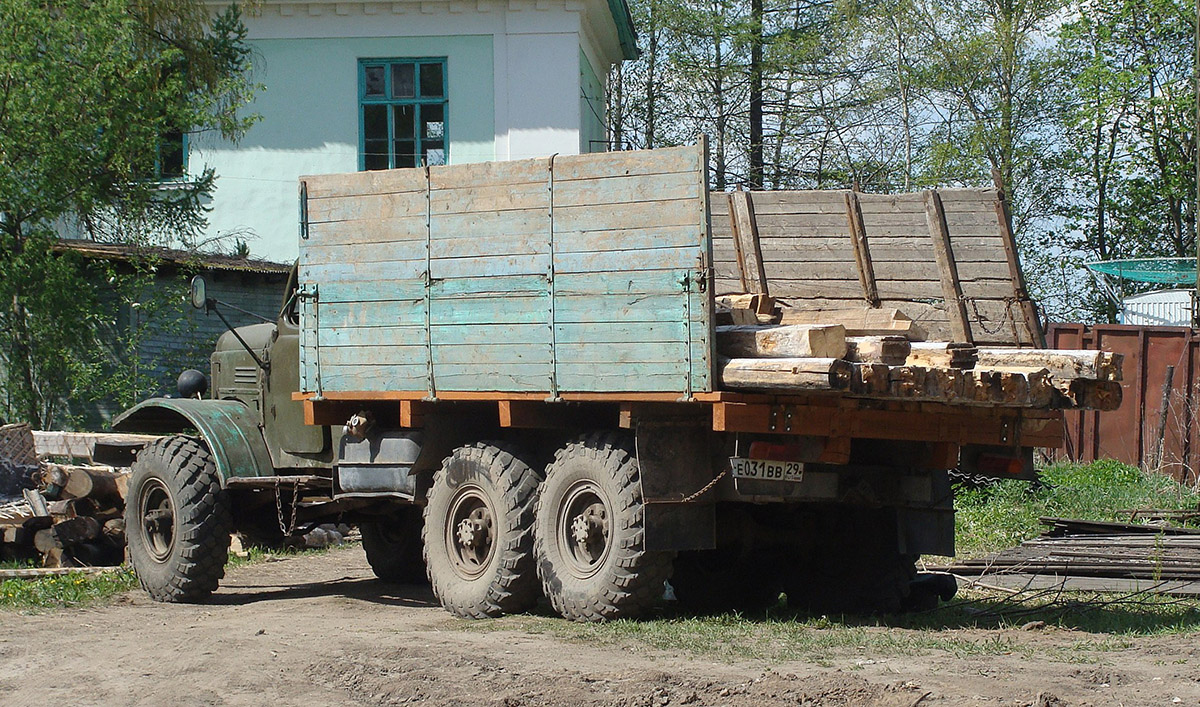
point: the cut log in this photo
(891, 350)
(77, 530)
(1063, 365)
(808, 341)
(942, 354)
(785, 374)
(866, 321)
(870, 380)
(1089, 394)
(100, 483)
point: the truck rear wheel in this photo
(177, 521)
(393, 546)
(590, 535)
(479, 532)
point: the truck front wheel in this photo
(479, 532)
(177, 519)
(590, 535)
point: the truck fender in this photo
(226, 426)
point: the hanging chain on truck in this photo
(288, 527)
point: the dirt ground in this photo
(320, 630)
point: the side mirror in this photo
(199, 295)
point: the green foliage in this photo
(68, 590)
(1006, 513)
(87, 93)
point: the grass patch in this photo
(1004, 514)
(68, 590)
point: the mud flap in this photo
(674, 463)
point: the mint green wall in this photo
(309, 125)
(591, 108)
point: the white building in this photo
(368, 85)
(1158, 308)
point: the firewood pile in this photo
(882, 354)
(60, 514)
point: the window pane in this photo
(375, 123)
(376, 156)
(406, 153)
(402, 81)
(375, 76)
(171, 155)
(431, 80)
(433, 126)
(434, 154)
(405, 123)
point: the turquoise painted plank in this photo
(339, 315)
(490, 266)
(482, 224)
(634, 162)
(655, 214)
(591, 378)
(362, 272)
(654, 259)
(390, 181)
(363, 252)
(380, 336)
(371, 231)
(490, 310)
(628, 189)
(628, 239)
(623, 282)
(371, 291)
(487, 174)
(622, 308)
(373, 355)
(367, 207)
(493, 197)
(621, 332)
(374, 378)
(670, 354)
(492, 356)
(498, 286)
(514, 378)
(509, 244)
(487, 334)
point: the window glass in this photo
(374, 80)
(431, 80)
(402, 81)
(403, 111)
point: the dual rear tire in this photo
(497, 536)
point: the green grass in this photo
(1006, 513)
(69, 590)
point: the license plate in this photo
(766, 469)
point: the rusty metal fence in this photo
(1155, 427)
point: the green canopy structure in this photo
(1165, 271)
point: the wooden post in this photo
(1161, 433)
(939, 232)
(749, 249)
(862, 253)
(1033, 325)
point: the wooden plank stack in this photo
(879, 359)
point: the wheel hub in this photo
(158, 519)
(470, 533)
(584, 529)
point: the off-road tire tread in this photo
(400, 563)
(634, 579)
(514, 588)
(202, 511)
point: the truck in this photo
(509, 376)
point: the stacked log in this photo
(815, 357)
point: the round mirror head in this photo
(199, 292)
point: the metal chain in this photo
(707, 487)
(286, 528)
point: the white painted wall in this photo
(513, 80)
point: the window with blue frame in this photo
(402, 113)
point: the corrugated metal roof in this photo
(205, 261)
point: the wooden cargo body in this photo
(578, 274)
